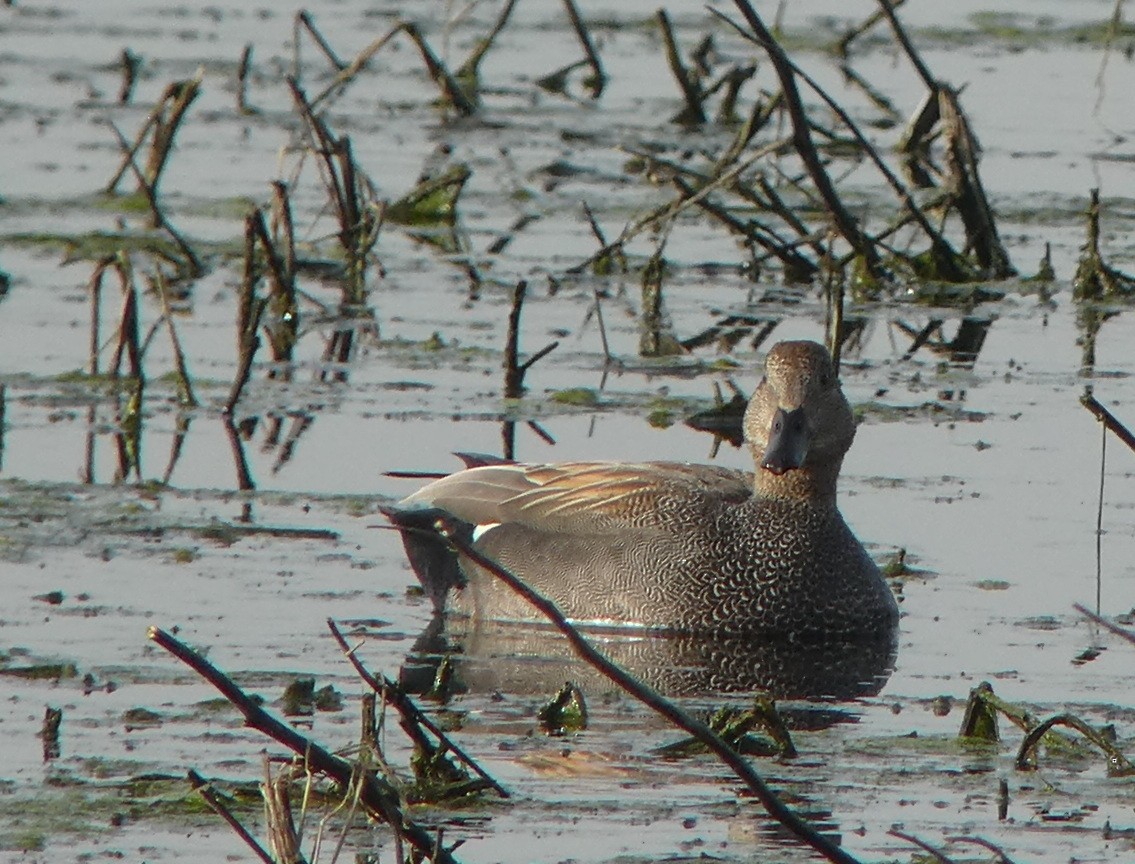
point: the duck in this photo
(675, 547)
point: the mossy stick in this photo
(655, 701)
(378, 796)
(1118, 765)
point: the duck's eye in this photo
(825, 380)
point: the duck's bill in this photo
(787, 441)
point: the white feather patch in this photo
(480, 531)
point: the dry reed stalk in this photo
(283, 839)
(597, 81)
(377, 796)
(202, 787)
(242, 70)
(693, 114)
(250, 308)
(192, 264)
(164, 120)
(303, 22)
(184, 384)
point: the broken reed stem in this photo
(806, 149)
(250, 308)
(468, 70)
(1002, 858)
(675, 208)
(284, 322)
(692, 93)
(936, 854)
(242, 71)
(654, 700)
(201, 786)
(164, 120)
(195, 268)
(598, 80)
(1118, 765)
(451, 90)
(396, 697)
(844, 44)
(1109, 420)
(131, 62)
(349, 72)
(95, 289)
(184, 386)
(943, 251)
(513, 374)
(283, 838)
(349, 188)
(378, 796)
(888, 10)
(304, 22)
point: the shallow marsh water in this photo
(987, 474)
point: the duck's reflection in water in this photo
(526, 659)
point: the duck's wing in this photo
(585, 496)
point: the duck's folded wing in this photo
(585, 496)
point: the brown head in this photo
(798, 423)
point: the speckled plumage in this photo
(674, 546)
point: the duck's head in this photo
(798, 418)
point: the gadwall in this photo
(673, 546)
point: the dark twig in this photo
(692, 93)
(1108, 419)
(376, 794)
(514, 370)
(131, 62)
(242, 71)
(202, 787)
(802, 139)
(654, 700)
(1110, 626)
(598, 79)
(303, 20)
